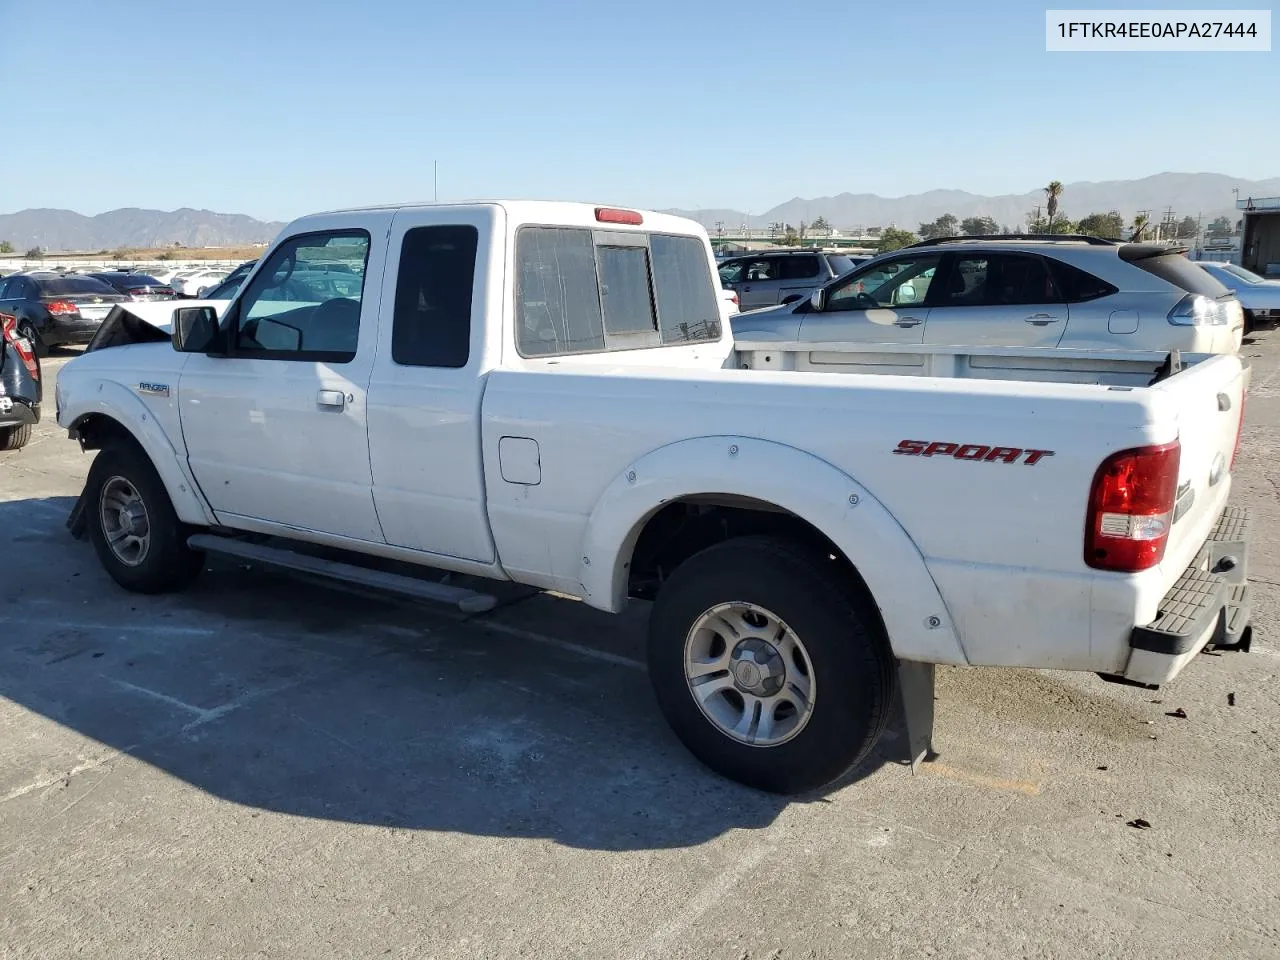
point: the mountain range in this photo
(1195, 194)
(1189, 194)
(54, 230)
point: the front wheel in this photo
(770, 667)
(137, 535)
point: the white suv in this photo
(1023, 291)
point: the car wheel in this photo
(16, 437)
(25, 329)
(770, 668)
(137, 535)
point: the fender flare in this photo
(110, 399)
(915, 616)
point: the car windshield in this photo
(841, 265)
(69, 286)
(1248, 276)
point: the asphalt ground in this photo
(265, 766)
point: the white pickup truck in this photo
(546, 393)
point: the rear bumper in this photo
(1210, 604)
(16, 413)
(60, 330)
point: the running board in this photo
(468, 601)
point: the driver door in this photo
(276, 428)
(882, 302)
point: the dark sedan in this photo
(136, 286)
(51, 309)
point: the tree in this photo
(6, 246)
(1109, 225)
(1140, 222)
(945, 226)
(1219, 227)
(1052, 193)
(891, 238)
(789, 236)
(1188, 228)
(820, 224)
(1036, 222)
(978, 226)
(35, 253)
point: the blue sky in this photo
(275, 109)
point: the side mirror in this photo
(818, 300)
(195, 329)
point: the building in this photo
(1260, 243)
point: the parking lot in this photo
(268, 766)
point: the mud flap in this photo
(915, 689)
(77, 522)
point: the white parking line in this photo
(579, 649)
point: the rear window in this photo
(1076, 285)
(70, 286)
(800, 268)
(1181, 272)
(583, 292)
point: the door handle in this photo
(1042, 319)
(905, 322)
(331, 398)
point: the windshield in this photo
(1248, 276)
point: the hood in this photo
(768, 323)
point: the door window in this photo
(432, 325)
(757, 270)
(732, 272)
(799, 268)
(290, 311)
(898, 283)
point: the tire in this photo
(845, 661)
(123, 474)
(15, 437)
(25, 329)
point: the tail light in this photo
(615, 215)
(21, 345)
(61, 307)
(733, 295)
(138, 291)
(1195, 310)
(1131, 508)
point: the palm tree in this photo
(1051, 193)
(1139, 226)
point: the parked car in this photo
(136, 286)
(569, 365)
(768, 278)
(228, 287)
(1259, 296)
(52, 309)
(192, 284)
(21, 386)
(1044, 292)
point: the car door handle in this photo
(331, 398)
(1042, 319)
(907, 322)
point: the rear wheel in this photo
(15, 437)
(137, 535)
(770, 668)
(25, 329)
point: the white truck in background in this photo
(547, 393)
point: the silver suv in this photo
(782, 276)
(1023, 291)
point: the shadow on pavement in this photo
(298, 698)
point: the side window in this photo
(757, 270)
(4, 285)
(799, 268)
(902, 282)
(557, 293)
(731, 272)
(688, 308)
(1020, 279)
(287, 313)
(625, 291)
(966, 282)
(1077, 286)
(432, 325)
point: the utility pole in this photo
(435, 180)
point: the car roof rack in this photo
(1065, 237)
